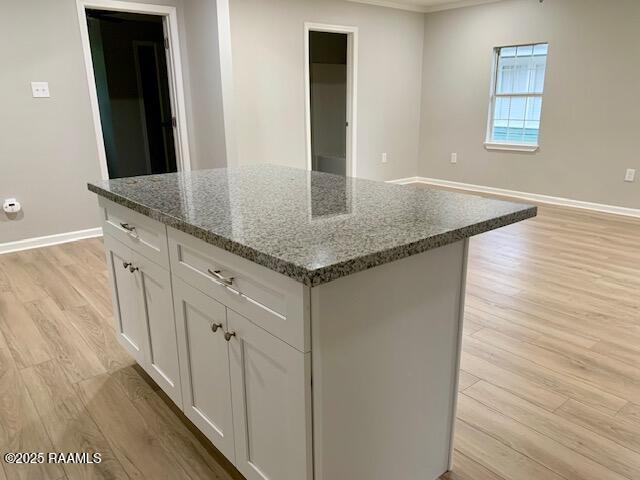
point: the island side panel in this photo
(385, 356)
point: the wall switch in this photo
(630, 176)
(454, 158)
(40, 89)
(384, 158)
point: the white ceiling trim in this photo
(460, 4)
(399, 6)
(425, 8)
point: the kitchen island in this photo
(308, 324)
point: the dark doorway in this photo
(328, 62)
(132, 83)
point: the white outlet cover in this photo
(630, 175)
(40, 89)
(454, 158)
(11, 205)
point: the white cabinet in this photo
(143, 311)
(271, 392)
(231, 343)
(125, 290)
(204, 363)
(161, 360)
(246, 390)
(244, 379)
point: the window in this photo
(516, 100)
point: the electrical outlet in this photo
(454, 158)
(384, 158)
(40, 89)
(630, 176)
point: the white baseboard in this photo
(530, 197)
(49, 240)
(406, 181)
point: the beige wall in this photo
(590, 122)
(48, 149)
(267, 38)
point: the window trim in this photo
(512, 147)
(489, 143)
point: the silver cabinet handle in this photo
(127, 227)
(228, 335)
(132, 268)
(126, 265)
(215, 327)
(216, 273)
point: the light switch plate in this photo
(40, 89)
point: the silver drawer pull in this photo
(219, 276)
(127, 227)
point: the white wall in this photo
(48, 149)
(590, 122)
(207, 132)
(267, 38)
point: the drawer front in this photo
(142, 234)
(272, 301)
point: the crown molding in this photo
(396, 5)
(425, 8)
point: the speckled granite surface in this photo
(312, 227)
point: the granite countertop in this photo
(313, 227)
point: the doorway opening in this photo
(330, 81)
(135, 91)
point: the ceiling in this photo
(425, 5)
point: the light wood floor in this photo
(550, 382)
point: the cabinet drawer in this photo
(138, 232)
(272, 301)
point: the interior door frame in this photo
(174, 71)
(352, 90)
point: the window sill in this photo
(511, 147)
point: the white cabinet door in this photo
(161, 361)
(130, 325)
(271, 387)
(204, 364)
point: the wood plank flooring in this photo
(549, 386)
(550, 378)
(66, 385)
